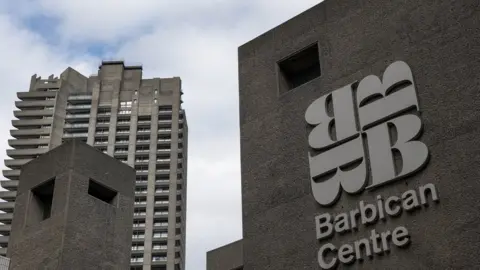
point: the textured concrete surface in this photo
(150, 99)
(228, 257)
(440, 42)
(82, 232)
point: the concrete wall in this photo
(82, 232)
(228, 257)
(439, 41)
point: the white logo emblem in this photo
(370, 131)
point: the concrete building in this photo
(4, 263)
(73, 210)
(228, 257)
(138, 121)
(360, 138)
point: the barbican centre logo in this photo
(365, 135)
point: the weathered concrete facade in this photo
(73, 211)
(438, 40)
(137, 120)
(228, 257)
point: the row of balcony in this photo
(12, 185)
(154, 259)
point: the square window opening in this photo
(43, 198)
(299, 68)
(101, 192)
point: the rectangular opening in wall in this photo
(101, 192)
(299, 68)
(43, 198)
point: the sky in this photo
(196, 40)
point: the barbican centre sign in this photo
(366, 135)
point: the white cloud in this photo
(23, 54)
(194, 39)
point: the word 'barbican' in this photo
(369, 214)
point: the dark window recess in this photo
(43, 196)
(299, 68)
(101, 192)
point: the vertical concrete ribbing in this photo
(93, 113)
(172, 207)
(116, 82)
(147, 257)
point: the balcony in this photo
(6, 218)
(103, 114)
(19, 133)
(28, 142)
(123, 131)
(32, 113)
(5, 229)
(143, 142)
(164, 141)
(143, 131)
(11, 174)
(165, 131)
(34, 103)
(8, 196)
(163, 171)
(77, 116)
(140, 202)
(79, 98)
(101, 143)
(161, 202)
(123, 123)
(136, 261)
(4, 241)
(162, 183)
(160, 214)
(16, 163)
(32, 95)
(120, 153)
(101, 134)
(138, 238)
(141, 183)
(68, 126)
(74, 135)
(160, 224)
(10, 185)
(7, 206)
(33, 122)
(79, 108)
(26, 153)
(163, 150)
(159, 259)
(138, 249)
(141, 161)
(103, 123)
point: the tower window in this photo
(101, 192)
(298, 68)
(43, 198)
